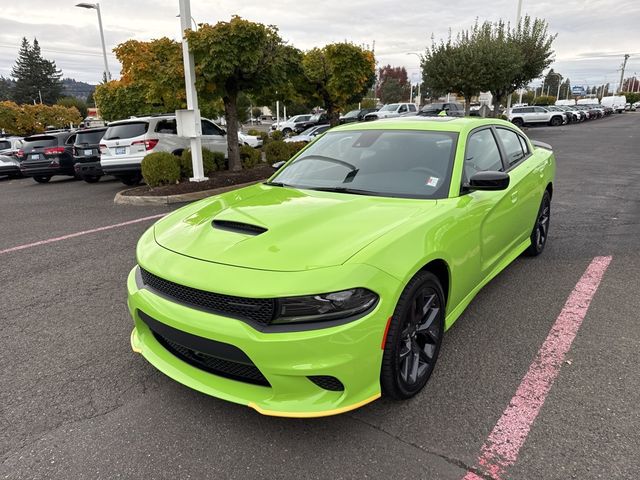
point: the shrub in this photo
(249, 156)
(222, 163)
(208, 163)
(295, 147)
(277, 135)
(277, 151)
(265, 138)
(253, 132)
(160, 168)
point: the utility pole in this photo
(624, 65)
(518, 13)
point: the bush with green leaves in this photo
(277, 135)
(249, 156)
(277, 151)
(160, 168)
(295, 147)
(208, 163)
(265, 138)
(253, 132)
(222, 162)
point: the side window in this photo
(412, 108)
(512, 146)
(525, 147)
(482, 154)
(539, 110)
(402, 109)
(167, 126)
(71, 140)
(527, 110)
(209, 128)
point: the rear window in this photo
(40, 141)
(126, 130)
(4, 144)
(89, 138)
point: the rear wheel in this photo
(286, 131)
(131, 179)
(517, 122)
(556, 121)
(414, 338)
(42, 179)
(91, 178)
(541, 228)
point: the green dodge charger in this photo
(333, 282)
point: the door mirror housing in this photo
(278, 165)
(490, 180)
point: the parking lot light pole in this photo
(518, 14)
(419, 77)
(96, 7)
(192, 95)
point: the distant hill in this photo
(73, 88)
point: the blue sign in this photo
(578, 91)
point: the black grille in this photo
(256, 309)
(189, 348)
(327, 382)
(238, 227)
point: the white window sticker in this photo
(432, 181)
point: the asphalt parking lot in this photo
(76, 403)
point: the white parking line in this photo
(78, 234)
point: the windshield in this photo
(309, 131)
(390, 108)
(126, 130)
(352, 113)
(392, 163)
(433, 106)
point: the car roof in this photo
(441, 124)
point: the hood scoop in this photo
(238, 227)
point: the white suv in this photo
(291, 125)
(529, 115)
(126, 142)
(393, 110)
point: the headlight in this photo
(324, 307)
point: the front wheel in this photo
(42, 179)
(414, 338)
(541, 228)
(556, 121)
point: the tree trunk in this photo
(231, 111)
(496, 105)
(467, 106)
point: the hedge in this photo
(160, 168)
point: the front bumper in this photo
(350, 352)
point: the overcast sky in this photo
(593, 35)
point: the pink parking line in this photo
(503, 444)
(77, 234)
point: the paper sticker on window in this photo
(432, 181)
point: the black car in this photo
(356, 115)
(86, 154)
(317, 119)
(452, 109)
(48, 154)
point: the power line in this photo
(81, 53)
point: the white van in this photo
(617, 102)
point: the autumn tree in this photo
(393, 84)
(28, 119)
(234, 57)
(339, 74)
(36, 78)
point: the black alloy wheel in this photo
(42, 178)
(556, 121)
(541, 228)
(414, 338)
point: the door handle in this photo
(514, 197)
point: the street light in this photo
(419, 79)
(96, 7)
(518, 14)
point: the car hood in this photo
(282, 229)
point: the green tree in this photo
(35, 77)
(90, 101)
(339, 74)
(74, 102)
(6, 89)
(116, 100)
(238, 56)
(391, 91)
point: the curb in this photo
(140, 200)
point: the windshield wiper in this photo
(277, 184)
(354, 191)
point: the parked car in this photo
(356, 115)
(536, 115)
(86, 154)
(316, 119)
(10, 145)
(291, 125)
(9, 166)
(250, 140)
(392, 110)
(126, 142)
(46, 155)
(309, 134)
(451, 109)
(617, 102)
(571, 116)
(350, 262)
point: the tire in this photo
(517, 122)
(540, 231)
(555, 121)
(413, 337)
(286, 131)
(131, 180)
(42, 179)
(91, 178)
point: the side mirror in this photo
(489, 180)
(279, 164)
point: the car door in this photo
(541, 115)
(495, 211)
(214, 138)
